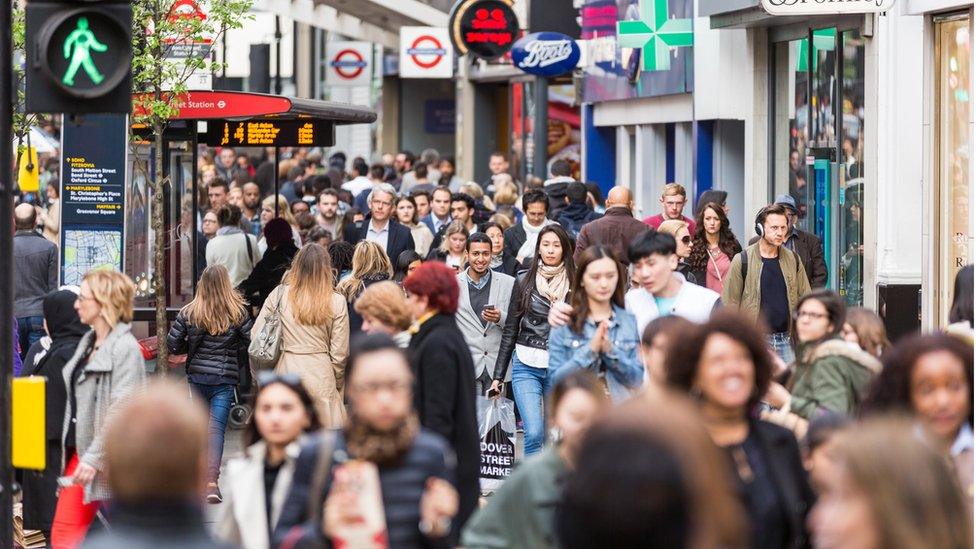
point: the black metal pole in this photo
(276, 180)
(277, 37)
(6, 270)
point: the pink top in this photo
(655, 221)
(716, 269)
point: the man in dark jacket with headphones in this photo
(806, 245)
(767, 279)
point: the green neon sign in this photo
(823, 40)
(655, 34)
(77, 47)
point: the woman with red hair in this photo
(444, 388)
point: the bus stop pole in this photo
(7, 322)
(276, 180)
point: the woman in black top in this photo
(525, 338)
(267, 274)
(65, 330)
(214, 330)
(726, 365)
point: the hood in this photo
(576, 210)
(61, 317)
(850, 351)
(558, 179)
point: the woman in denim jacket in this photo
(602, 336)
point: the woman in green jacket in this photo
(830, 374)
(520, 513)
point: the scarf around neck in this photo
(531, 237)
(552, 282)
(380, 447)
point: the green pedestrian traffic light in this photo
(79, 57)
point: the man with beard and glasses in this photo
(415, 465)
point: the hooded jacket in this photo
(832, 376)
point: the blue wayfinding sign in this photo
(93, 162)
(546, 53)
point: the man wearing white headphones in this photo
(766, 280)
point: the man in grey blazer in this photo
(482, 307)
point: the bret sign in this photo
(349, 64)
(825, 7)
(546, 53)
(426, 52)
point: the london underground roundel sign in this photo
(546, 53)
(486, 28)
(349, 63)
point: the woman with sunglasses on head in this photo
(726, 366)
(713, 246)
(679, 230)
(602, 336)
(524, 348)
(830, 374)
(214, 331)
(257, 484)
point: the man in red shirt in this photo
(673, 201)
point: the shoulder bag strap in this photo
(250, 253)
(323, 465)
(744, 269)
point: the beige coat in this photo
(316, 353)
(243, 519)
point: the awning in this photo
(740, 14)
(228, 105)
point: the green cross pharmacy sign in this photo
(655, 34)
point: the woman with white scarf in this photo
(526, 333)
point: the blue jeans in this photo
(220, 399)
(29, 330)
(780, 342)
(530, 386)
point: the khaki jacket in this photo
(745, 295)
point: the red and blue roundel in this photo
(546, 53)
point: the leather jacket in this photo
(529, 328)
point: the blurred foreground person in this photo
(890, 489)
(657, 338)
(156, 450)
(864, 328)
(257, 484)
(444, 389)
(334, 488)
(672, 491)
(931, 378)
(384, 309)
(727, 366)
(520, 513)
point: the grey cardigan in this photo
(112, 374)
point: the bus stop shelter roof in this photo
(231, 105)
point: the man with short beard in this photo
(251, 207)
(328, 217)
(382, 432)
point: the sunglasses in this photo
(267, 378)
(686, 239)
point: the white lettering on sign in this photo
(542, 53)
(823, 7)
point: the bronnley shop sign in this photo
(825, 7)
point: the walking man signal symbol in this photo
(77, 47)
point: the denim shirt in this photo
(569, 351)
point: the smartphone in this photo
(492, 393)
(489, 307)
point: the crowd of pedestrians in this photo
(674, 388)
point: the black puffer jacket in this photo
(211, 359)
(524, 327)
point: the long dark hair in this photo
(251, 434)
(962, 297)
(836, 310)
(528, 283)
(579, 299)
(727, 242)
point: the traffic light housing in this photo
(79, 57)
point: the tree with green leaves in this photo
(161, 28)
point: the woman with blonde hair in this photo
(384, 309)
(214, 331)
(890, 488)
(314, 330)
(270, 210)
(105, 369)
(369, 265)
(452, 250)
(507, 197)
(475, 191)
(865, 329)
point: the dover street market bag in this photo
(496, 428)
(265, 348)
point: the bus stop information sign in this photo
(270, 133)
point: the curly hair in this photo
(727, 242)
(892, 389)
(685, 352)
(438, 283)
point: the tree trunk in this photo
(159, 252)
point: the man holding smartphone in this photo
(482, 307)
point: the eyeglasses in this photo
(686, 239)
(83, 297)
(384, 203)
(266, 378)
(811, 315)
(373, 388)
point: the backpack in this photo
(744, 266)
